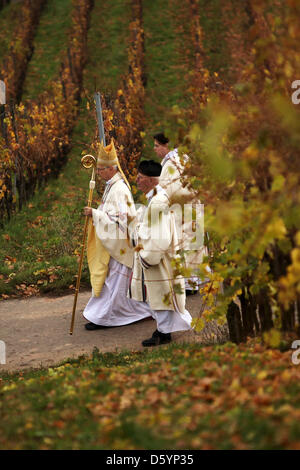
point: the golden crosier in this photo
(87, 161)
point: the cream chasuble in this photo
(155, 240)
(171, 179)
(107, 237)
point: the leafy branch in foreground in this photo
(244, 150)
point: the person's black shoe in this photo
(190, 292)
(92, 326)
(157, 339)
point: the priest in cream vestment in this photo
(155, 241)
(171, 179)
(110, 257)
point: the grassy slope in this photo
(169, 57)
(40, 244)
(165, 70)
(43, 257)
(174, 397)
(8, 21)
(49, 42)
(108, 45)
(216, 53)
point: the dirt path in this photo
(36, 331)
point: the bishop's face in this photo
(161, 150)
(105, 172)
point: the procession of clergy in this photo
(130, 251)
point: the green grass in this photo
(170, 58)
(40, 245)
(172, 397)
(217, 56)
(8, 20)
(49, 44)
(166, 73)
(107, 48)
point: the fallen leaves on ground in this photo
(218, 397)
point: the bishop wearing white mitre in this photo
(109, 255)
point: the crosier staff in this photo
(88, 161)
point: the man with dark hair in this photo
(156, 246)
(161, 139)
(171, 178)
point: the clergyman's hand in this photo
(88, 211)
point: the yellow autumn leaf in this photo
(272, 338)
(276, 228)
(278, 183)
(286, 375)
(235, 384)
(262, 375)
